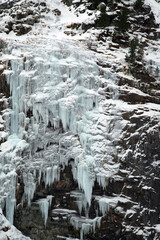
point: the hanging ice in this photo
(44, 204)
(52, 174)
(85, 181)
(29, 186)
(11, 201)
(81, 202)
(56, 92)
(85, 225)
(105, 203)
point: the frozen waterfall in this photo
(55, 85)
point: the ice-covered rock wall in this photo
(57, 86)
(77, 121)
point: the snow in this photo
(62, 211)
(157, 227)
(8, 231)
(155, 6)
(12, 143)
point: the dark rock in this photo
(4, 87)
(43, 4)
(56, 12)
(5, 229)
(121, 39)
(22, 29)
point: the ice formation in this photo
(81, 202)
(44, 204)
(11, 201)
(85, 225)
(52, 175)
(59, 110)
(59, 89)
(54, 85)
(29, 186)
(105, 203)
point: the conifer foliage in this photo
(135, 51)
(122, 23)
(138, 4)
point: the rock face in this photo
(22, 16)
(79, 126)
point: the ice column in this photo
(85, 181)
(14, 85)
(51, 175)
(29, 186)
(11, 201)
(44, 204)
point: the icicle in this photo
(39, 176)
(85, 229)
(56, 91)
(85, 181)
(85, 225)
(11, 201)
(51, 175)
(15, 103)
(81, 202)
(101, 179)
(76, 222)
(44, 204)
(103, 206)
(29, 186)
(64, 116)
(49, 198)
(10, 206)
(105, 203)
(74, 170)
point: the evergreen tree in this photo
(123, 24)
(138, 4)
(97, 2)
(103, 20)
(134, 51)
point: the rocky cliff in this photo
(79, 119)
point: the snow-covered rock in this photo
(78, 121)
